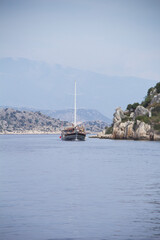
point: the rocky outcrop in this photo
(131, 129)
(123, 130)
(118, 115)
(141, 111)
(139, 121)
(143, 131)
(156, 99)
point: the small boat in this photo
(74, 132)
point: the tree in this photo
(147, 101)
(132, 107)
(129, 107)
(158, 87)
(135, 105)
(149, 91)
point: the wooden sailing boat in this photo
(74, 132)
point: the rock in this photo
(129, 132)
(142, 131)
(156, 137)
(153, 92)
(132, 130)
(99, 135)
(132, 115)
(118, 115)
(141, 111)
(102, 135)
(123, 130)
(156, 99)
(126, 125)
(126, 112)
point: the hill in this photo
(138, 121)
(94, 126)
(15, 121)
(83, 115)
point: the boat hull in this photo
(68, 137)
(81, 136)
(73, 137)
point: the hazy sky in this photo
(115, 37)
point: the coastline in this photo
(111, 137)
(37, 133)
(30, 133)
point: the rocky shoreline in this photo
(138, 121)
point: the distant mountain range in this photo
(83, 115)
(25, 82)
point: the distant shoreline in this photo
(37, 133)
(30, 133)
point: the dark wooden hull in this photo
(81, 136)
(73, 137)
(68, 137)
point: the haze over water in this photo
(97, 189)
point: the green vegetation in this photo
(36, 120)
(146, 101)
(132, 107)
(154, 119)
(22, 122)
(29, 120)
(39, 113)
(158, 87)
(14, 120)
(148, 98)
(149, 91)
(145, 119)
(127, 118)
(156, 110)
(157, 127)
(49, 123)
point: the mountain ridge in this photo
(38, 84)
(83, 115)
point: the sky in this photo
(112, 37)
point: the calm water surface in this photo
(97, 189)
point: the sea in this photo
(93, 190)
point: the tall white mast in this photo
(75, 110)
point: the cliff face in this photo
(139, 121)
(132, 129)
